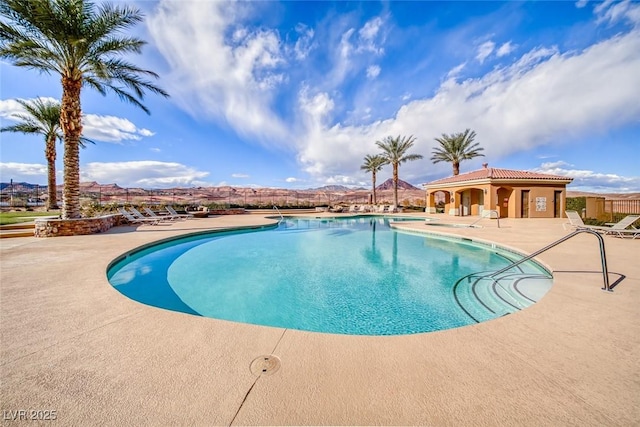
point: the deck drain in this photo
(265, 365)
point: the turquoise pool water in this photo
(346, 276)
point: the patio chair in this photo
(173, 212)
(133, 220)
(136, 213)
(381, 208)
(619, 229)
(575, 221)
(168, 217)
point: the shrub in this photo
(576, 204)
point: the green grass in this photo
(26, 216)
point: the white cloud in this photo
(144, 173)
(484, 50)
(505, 49)
(211, 75)
(555, 165)
(240, 175)
(292, 179)
(111, 129)
(455, 71)
(98, 128)
(373, 71)
(581, 3)
(613, 11)
(515, 108)
(370, 37)
(21, 172)
(10, 108)
(304, 44)
(588, 180)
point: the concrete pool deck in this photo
(72, 344)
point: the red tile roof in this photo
(499, 174)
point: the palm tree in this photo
(373, 164)
(42, 117)
(455, 148)
(394, 151)
(81, 43)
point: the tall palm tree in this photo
(394, 151)
(80, 42)
(455, 148)
(373, 164)
(42, 117)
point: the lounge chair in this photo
(173, 212)
(133, 220)
(168, 217)
(136, 213)
(353, 208)
(381, 208)
(619, 229)
(575, 221)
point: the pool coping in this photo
(73, 344)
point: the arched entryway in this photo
(471, 201)
(438, 201)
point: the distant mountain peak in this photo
(388, 185)
(332, 188)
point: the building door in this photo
(502, 204)
(524, 208)
(557, 204)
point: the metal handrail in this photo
(279, 213)
(483, 216)
(603, 255)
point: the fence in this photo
(223, 197)
(612, 210)
(618, 209)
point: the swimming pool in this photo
(340, 275)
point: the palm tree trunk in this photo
(374, 186)
(456, 168)
(395, 184)
(50, 155)
(71, 123)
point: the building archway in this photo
(438, 201)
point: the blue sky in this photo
(295, 94)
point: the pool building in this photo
(512, 193)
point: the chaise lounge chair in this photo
(173, 212)
(575, 221)
(133, 220)
(168, 217)
(619, 229)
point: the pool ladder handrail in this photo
(603, 256)
(279, 213)
(483, 216)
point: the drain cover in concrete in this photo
(265, 365)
